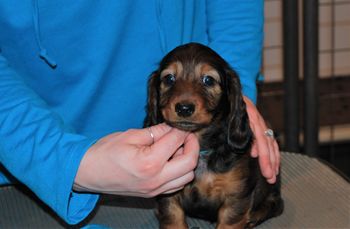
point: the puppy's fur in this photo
(195, 90)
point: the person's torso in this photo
(104, 51)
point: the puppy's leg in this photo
(271, 207)
(233, 214)
(170, 213)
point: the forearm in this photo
(37, 148)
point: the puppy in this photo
(195, 90)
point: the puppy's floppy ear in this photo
(153, 115)
(239, 133)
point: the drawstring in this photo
(160, 27)
(43, 55)
(43, 52)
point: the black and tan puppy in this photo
(195, 90)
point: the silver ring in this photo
(151, 134)
(269, 133)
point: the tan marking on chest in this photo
(216, 187)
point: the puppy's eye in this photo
(169, 80)
(208, 81)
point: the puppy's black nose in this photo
(184, 109)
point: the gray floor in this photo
(315, 197)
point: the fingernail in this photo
(272, 180)
(270, 172)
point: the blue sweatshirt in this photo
(74, 71)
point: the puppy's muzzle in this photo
(184, 109)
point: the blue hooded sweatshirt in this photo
(74, 71)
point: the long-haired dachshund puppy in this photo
(195, 90)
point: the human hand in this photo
(130, 163)
(264, 147)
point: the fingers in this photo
(185, 160)
(148, 136)
(163, 140)
(272, 154)
(275, 161)
(264, 154)
(277, 156)
(166, 188)
(175, 184)
(269, 157)
(178, 171)
(254, 150)
(173, 190)
(179, 152)
(167, 164)
(264, 147)
(168, 144)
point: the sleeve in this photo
(4, 180)
(39, 150)
(235, 29)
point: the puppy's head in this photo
(195, 89)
